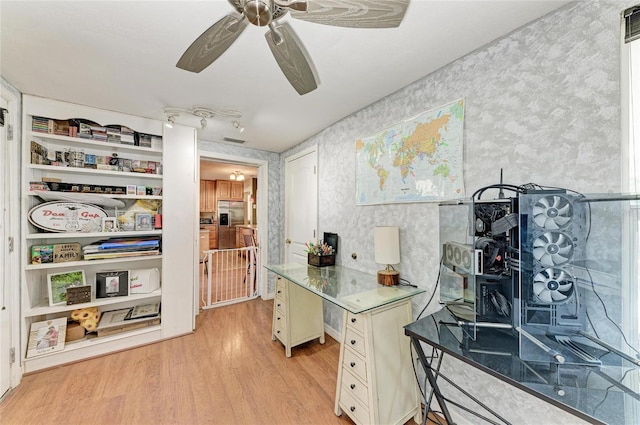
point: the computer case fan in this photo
(553, 286)
(553, 248)
(552, 212)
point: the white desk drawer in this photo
(356, 321)
(355, 364)
(280, 319)
(280, 332)
(280, 286)
(353, 385)
(352, 407)
(355, 341)
(278, 303)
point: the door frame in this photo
(287, 193)
(262, 210)
(10, 193)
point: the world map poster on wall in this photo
(417, 160)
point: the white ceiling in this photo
(121, 56)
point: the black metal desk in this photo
(607, 394)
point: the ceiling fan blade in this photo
(354, 13)
(212, 43)
(291, 57)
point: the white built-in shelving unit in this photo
(177, 315)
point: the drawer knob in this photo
(279, 292)
(353, 386)
(352, 408)
(278, 305)
(353, 364)
(278, 318)
(353, 320)
(277, 332)
(353, 342)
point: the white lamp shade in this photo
(386, 242)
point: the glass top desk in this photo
(375, 383)
(607, 394)
(352, 290)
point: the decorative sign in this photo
(67, 217)
(78, 294)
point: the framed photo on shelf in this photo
(112, 284)
(109, 224)
(143, 221)
(144, 310)
(46, 336)
(57, 284)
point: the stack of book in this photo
(99, 133)
(113, 134)
(40, 124)
(121, 247)
(126, 135)
(84, 131)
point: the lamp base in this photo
(388, 277)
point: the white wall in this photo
(543, 103)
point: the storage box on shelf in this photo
(121, 176)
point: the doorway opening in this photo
(229, 236)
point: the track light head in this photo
(237, 126)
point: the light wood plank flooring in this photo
(228, 372)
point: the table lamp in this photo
(386, 242)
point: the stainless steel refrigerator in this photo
(230, 214)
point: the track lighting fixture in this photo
(237, 126)
(171, 120)
(204, 114)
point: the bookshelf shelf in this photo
(95, 143)
(74, 170)
(80, 235)
(44, 309)
(83, 263)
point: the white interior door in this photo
(5, 302)
(301, 204)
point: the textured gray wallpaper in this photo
(542, 103)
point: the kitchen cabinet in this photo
(237, 191)
(203, 241)
(227, 190)
(212, 241)
(207, 195)
(223, 190)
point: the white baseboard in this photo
(332, 332)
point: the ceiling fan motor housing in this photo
(262, 12)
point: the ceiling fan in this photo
(283, 42)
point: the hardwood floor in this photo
(228, 372)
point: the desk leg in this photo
(432, 381)
(337, 410)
